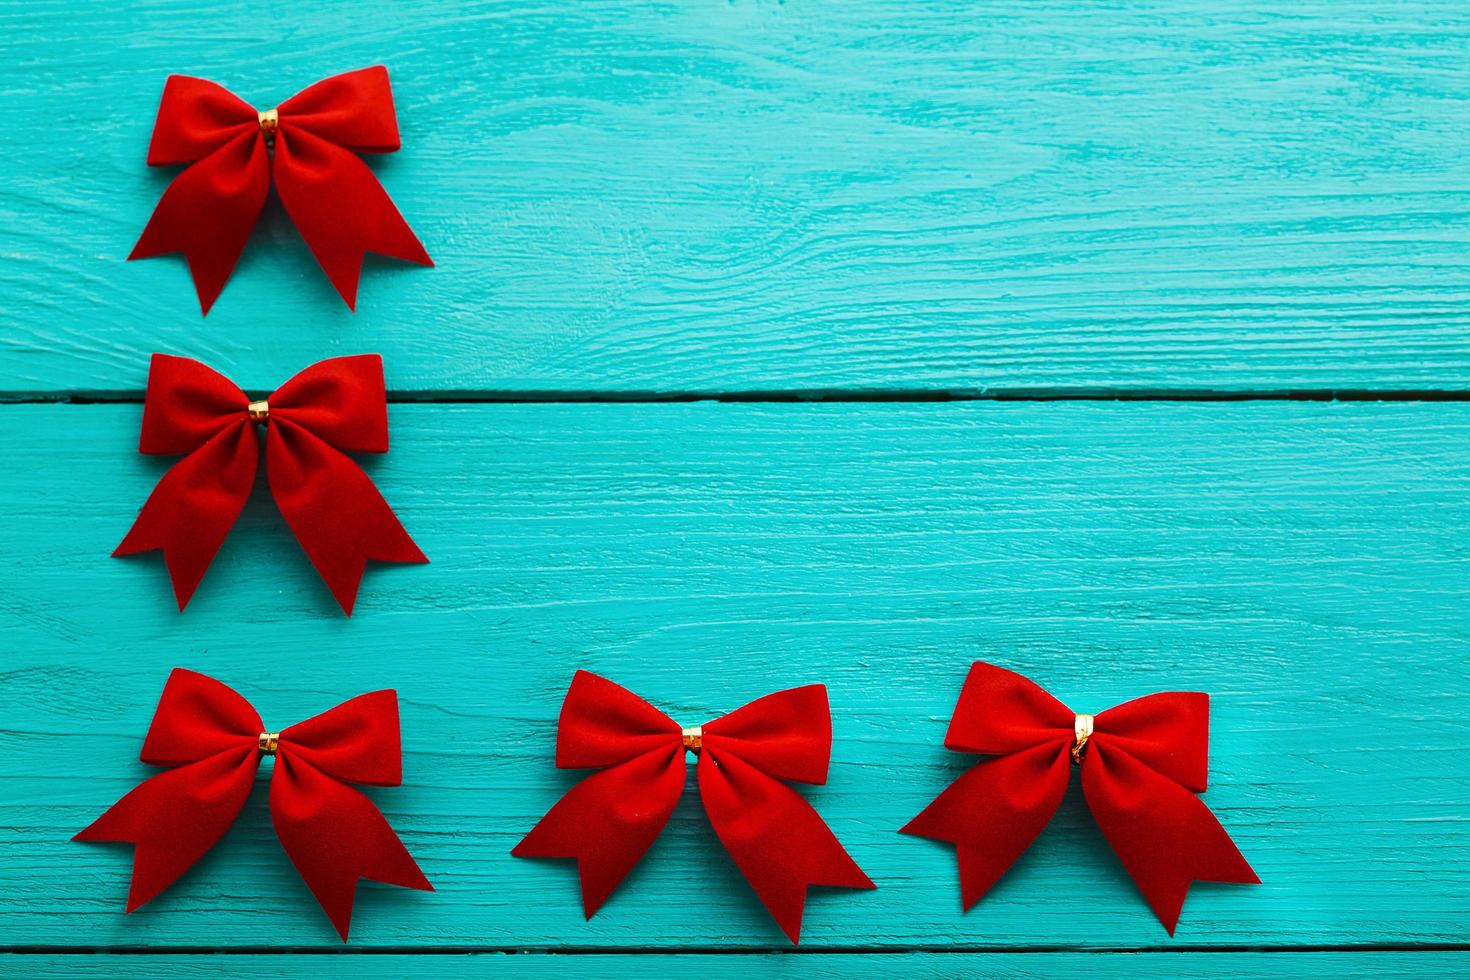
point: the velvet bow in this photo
(307, 146)
(608, 820)
(331, 505)
(212, 740)
(1142, 764)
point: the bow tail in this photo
(334, 835)
(609, 820)
(208, 211)
(334, 509)
(994, 811)
(340, 209)
(194, 506)
(780, 844)
(173, 818)
(1165, 835)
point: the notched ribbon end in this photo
(346, 276)
(138, 896)
(406, 552)
(1169, 908)
(971, 889)
(209, 274)
(183, 585)
(341, 919)
(592, 887)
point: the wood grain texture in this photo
(720, 196)
(1002, 966)
(1305, 563)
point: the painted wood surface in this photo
(1005, 966)
(1159, 200)
(750, 195)
(1305, 563)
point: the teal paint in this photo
(753, 195)
(1304, 563)
(1246, 966)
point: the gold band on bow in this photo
(259, 411)
(1081, 732)
(268, 742)
(693, 738)
(269, 119)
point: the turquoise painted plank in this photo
(1005, 966)
(1305, 563)
(754, 195)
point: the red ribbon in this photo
(212, 740)
(330, 504)
(1141, 767)
(608, 820)
(330, 193)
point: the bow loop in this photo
(787, 735)
(355, 742)
(196, 718)
(341, 400)
(999, 712)
(187, 404)
(196, 117)
(1168, 732)
(353, 110)
(604, 724)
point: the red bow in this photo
(608, 820)
(331, 505)
(212, 740)
(331, 195)
(1142, 762)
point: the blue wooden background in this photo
(1127, 344)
